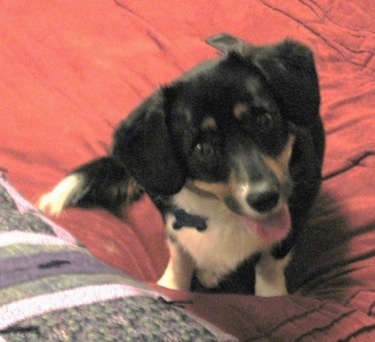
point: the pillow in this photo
(51, 288)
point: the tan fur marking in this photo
(240, 109)
(218, 190)
(209, 123)
(134, 191)
(280, 164)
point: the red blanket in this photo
(71, 70)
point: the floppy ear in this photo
(144, 146)
(290, 71)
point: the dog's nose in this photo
(263, 202)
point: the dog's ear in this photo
(290, 71)
(226, 43)
(143, 144)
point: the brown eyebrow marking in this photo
(280, 164)
(218, 190)
(240, 109)
(209, 123)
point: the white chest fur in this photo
(219, 249)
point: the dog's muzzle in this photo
(263, 208)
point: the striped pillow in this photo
(52, 289)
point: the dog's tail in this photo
(102, 183)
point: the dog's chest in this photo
(214, 236)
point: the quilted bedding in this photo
(71, 70)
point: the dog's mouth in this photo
(269, 218)
(273, 227)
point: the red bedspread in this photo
(71, 70)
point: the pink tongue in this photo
(272, 229)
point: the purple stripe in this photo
(28, 268)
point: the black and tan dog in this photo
(231, 154)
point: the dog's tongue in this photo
(274, 228)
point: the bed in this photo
(70, 71)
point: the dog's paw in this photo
(64, 194)
(208, 279)
(270, 278)
(169, 281)
(179, 271)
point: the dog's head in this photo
(225, 128)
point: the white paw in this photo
(169, 281)
(208, 279)
(56, 200)
(270, 276)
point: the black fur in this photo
(162, 143)
(107, 185)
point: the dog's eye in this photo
(265, 121)
(205, 151)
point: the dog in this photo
(231, 154)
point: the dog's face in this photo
(231, 137)
(226, 129)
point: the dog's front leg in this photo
(179, 271)
(270, 276)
